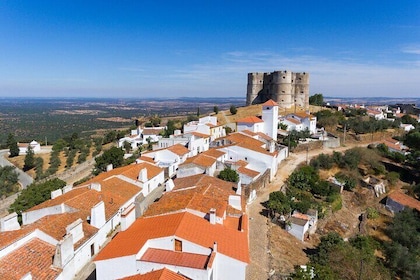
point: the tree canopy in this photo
(114, 156)
(229, 175)
(317, 99)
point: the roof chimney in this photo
(9, 223)
(109, 167)
(143, 175)
(215, 247)
(212, 217)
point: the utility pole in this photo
(344, 136)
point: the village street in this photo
(259, 267)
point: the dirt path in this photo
(261, 255)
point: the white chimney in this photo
(215, 247)
(169, 185)
(239, 188)
(56, 193)
(128, 217)
(95, 186)
(97, 215)
(143, 175)
(9, 223)
(64, 251)
(76, 230)
(212, 217)
(109, 167)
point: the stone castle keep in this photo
(288, 89)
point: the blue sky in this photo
(206, 48)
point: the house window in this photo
(178, 245)
(246, 158)
(92, 249)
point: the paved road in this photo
(24, 179)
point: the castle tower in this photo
(302, 90)
(254, 88)
(270, 116)
(282, 89)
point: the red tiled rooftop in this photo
(270, 102)
(175, 258)
(198, 134)
(405, 200)
(186, 226)
(178, 149)
(214, 153)
(251, 119)
(292, 120)
(248, 172)
(199, 193)
(160, 274)
(201, 160)
(35, 256)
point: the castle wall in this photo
(286, 88)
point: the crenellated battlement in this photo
(287, 88)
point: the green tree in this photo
(114, 156)
(278, 202)
(229, 175)
(8, 180)
(127, 147)
(216, 109)
(233, 109)
(303, 178)
(412, 140)
(29, 162)
(12, 145)
(35, 194)
(316, 99)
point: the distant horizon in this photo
(171, 49)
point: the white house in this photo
(199, 164)
(375, 113)
(267, 125)
(134, 140)
(246, 175)
(195, 142)
(299, 122)
(142, 136)
(61, 235)
(23, 147)
(300, 225)
(206, 125)
(195, 247)
(260, 156)
(169, 158)
(407, 127)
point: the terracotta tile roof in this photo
(185, 226)
(160, 274)
(198, 134)
(298, 221)
(251, 119)
(248, 172)
(146, 158)
(303, 115)
(247, 142)
(270, 102)
(199, 193)
(264, 136)
(249, 132)
(292, 120)
(178, 149)
(35, 257)
(301, 216)
(405, 200)
(201, 160)
(214, 153)
(175, 258)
